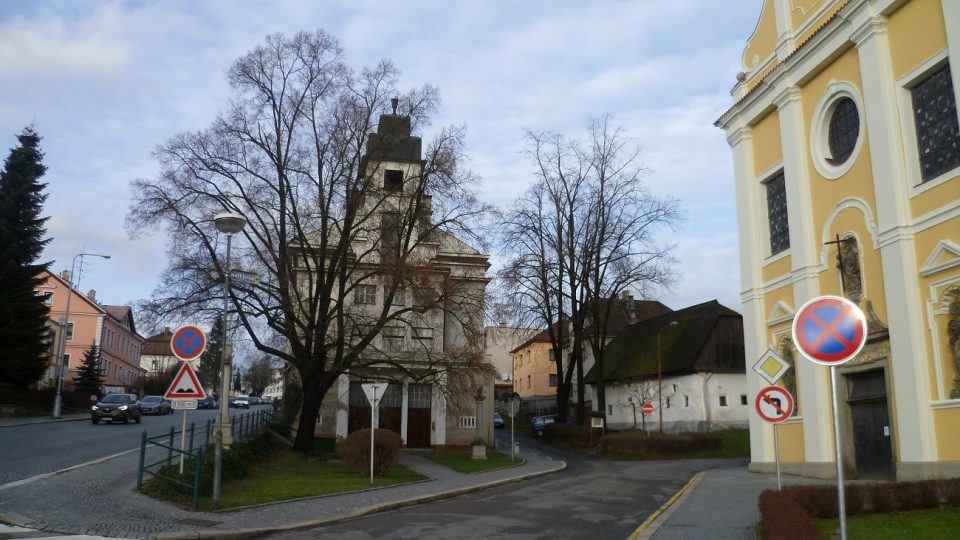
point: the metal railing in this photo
(197, 439)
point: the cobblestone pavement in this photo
(101, 500)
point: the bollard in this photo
(516, 449)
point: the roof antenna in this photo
(394, 102)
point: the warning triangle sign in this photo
(185, 385)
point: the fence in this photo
(196, 442)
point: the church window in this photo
(844, 130)
(777, 214)
(935, 117)
(392, 180)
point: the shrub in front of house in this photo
(355, 450)
(632, 442)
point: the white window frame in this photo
(365, 294)
(467, 422)
(820, 130)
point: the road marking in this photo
(646, 523)
(61, 471)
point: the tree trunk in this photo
(308, 413)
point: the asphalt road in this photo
(29, 450)
(591, 499)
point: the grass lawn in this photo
(286, 475)
(919, 524)
(733, 443)
(463, 462)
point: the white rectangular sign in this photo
(179, 404)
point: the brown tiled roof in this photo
(159, 345)
(543, 337)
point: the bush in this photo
(782, 517)
(355, 450)
(657, 444)
(567, 434)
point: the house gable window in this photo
(935, 119)
(723, 401)
(777, 213)
(743, 399)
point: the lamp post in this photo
(660, 376)
(64, 324)
(229, 224)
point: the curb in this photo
(382, 507)
(652, 524)
(46, 421)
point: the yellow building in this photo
(846, 151)
(534, 371)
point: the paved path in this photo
(101, 500)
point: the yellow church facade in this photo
(846, 145)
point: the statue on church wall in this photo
(849, 262)
(953, 333)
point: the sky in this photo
(104, 83)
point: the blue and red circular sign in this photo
(188, 343)
(829, 330)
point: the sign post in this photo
(374, 392)
(183, 394)
(774, 405)
(512, 405)
(830, 330)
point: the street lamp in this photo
(229, 224)
(64, 324)
(660, 375)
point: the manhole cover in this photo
(199, 522)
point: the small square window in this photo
(609, 410)
(686, 401)
(365, 294)
(552, 378)
(69, 331)
(393, 180)
(743, 399)
(47, 298)
(668, 404)
(723, 401)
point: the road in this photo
(30, 450)
(591, 499)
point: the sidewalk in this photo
(101, 500)
(11, 421)
(720, 504)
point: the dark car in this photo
(207, 403)
(497, 420)
(114, 407)
(155, 405)
(540, 423)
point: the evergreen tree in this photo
(237, 380)
(90, 378)
(209, 369)
(23, 314)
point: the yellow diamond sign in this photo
(771, 366)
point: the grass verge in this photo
(463, 462)
(284, 475)
(932, 524)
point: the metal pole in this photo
(373, 410)
(58, 400)
(659, 384)
(170, 447)
(143, 452)
(842, 504)
(224, 387)
(776, 450)
(513, 415)
(183, 438)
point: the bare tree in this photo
(578, 238)
(260, 373)
(297, 152)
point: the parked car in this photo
(497, 420)
(156, 405)
(540, 422)
(240, 402)
(207, 403)
(112, 407)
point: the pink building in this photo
(111, 328)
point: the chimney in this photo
(92, 295)
(65, 275)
